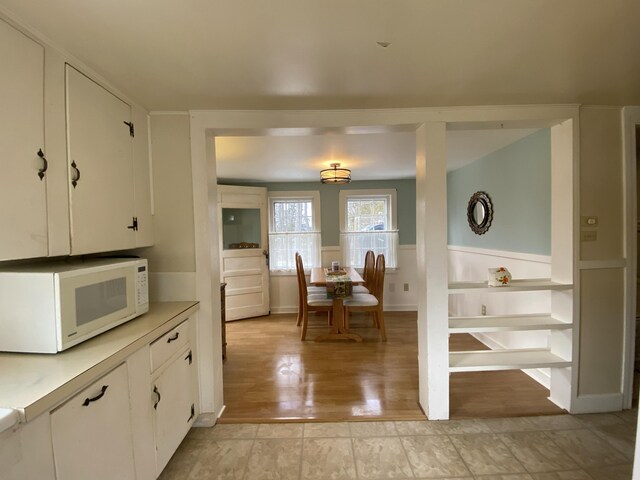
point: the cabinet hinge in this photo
(134, 224)
(132, 130)
(189, 357)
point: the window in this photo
(368, 222)
(294, 226)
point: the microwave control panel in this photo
(142, 286)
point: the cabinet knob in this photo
(45, 166)
(157, 392)
(76, 177)
(87, 401)
(175, 337)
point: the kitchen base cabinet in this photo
(91, 432)
(25, 452)
(173, 389)
(174, 406)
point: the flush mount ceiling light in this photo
(335, 175)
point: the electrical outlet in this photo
(484, 309)
(392, 287)
(588, 235)
(406, 287)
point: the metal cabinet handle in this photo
(175, 337)
(87, 401)
(44, 168)
(193, 413)
(157, 392)
(76, 178)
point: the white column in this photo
(431, 250)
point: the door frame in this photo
(433, 374)
(630, 120)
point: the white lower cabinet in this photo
(91, 432)
(174, 405)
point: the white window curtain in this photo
(283, 247)
(356, 244)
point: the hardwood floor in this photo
(270, 375)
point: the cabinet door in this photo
(174, 406)
(23, 215)
(100, 162)
(91, 433)
(142, 177)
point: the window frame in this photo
(302, 195)
(390, 194)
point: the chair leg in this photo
(345, 318)
(299, 319)
(305, 320)
(379, 315)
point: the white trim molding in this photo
(630, 123)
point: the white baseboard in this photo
(206, 420)
(400, 308)
(284, 309)
(598, 403)
(539, 375)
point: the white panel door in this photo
(243, 246)
(100, 167)
(23, 214)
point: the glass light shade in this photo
(335, 175)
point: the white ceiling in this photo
(323, 54)
(301, 54)
(296, 157)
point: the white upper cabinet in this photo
(142, 177)
(93, 193)
(100, 149)
(23, 182)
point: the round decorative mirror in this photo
(480, 212)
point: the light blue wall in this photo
(329, 204)
(518, 180)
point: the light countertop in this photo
(33, 383)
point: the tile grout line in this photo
(406, 456)
(460, 455)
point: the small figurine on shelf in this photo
(499, 277)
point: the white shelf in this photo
(522, 285)
(492, 360)
(505, 323)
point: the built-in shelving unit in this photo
(515, 359)
(491, 360)
(506, 323)
(524, 285)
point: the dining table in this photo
(338, 288)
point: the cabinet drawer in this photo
(169, 344)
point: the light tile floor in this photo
(561, 447)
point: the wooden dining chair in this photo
(311, 290)
(367, 274)
(309, 302)
(370, 302)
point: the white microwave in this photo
(48, 308)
